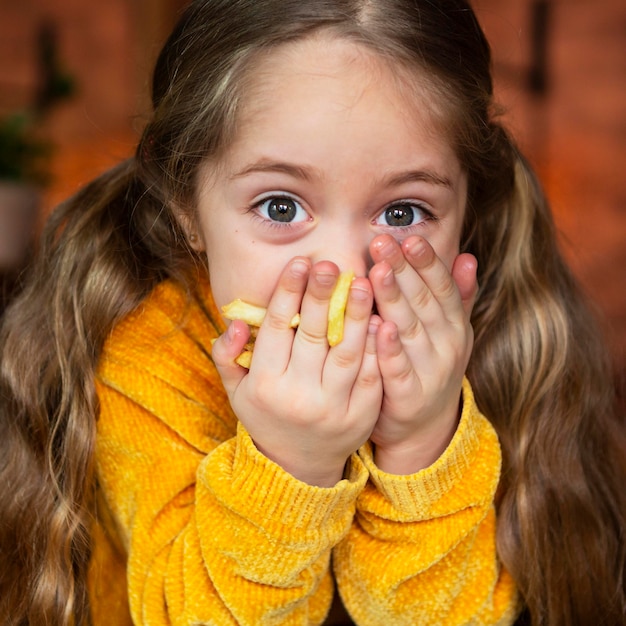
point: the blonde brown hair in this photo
(539, 369)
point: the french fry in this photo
(244, 359)
(337, 308)
(253, 315)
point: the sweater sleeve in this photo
(213, 531)
(422, 547)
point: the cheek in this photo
(447, 250)
(450, 244)
(450, 253)
(249, 272)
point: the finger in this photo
(367, 393)
(345, 359)
(422, 277)
(310, 346)
(226, 349)
(438, 280)
(397, 370)
(385, 248)
(400, 292)
(464, 272)
(275, 338)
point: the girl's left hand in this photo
(424, 344)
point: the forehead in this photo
(330, 63)
(304, 87)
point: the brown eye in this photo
(282, 209)
(401, 215)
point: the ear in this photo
(190, 227)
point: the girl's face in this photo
(331, 151)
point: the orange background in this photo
(574, 133)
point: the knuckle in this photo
(311, 336)
(448, 288)
(344, 359)
(413, 331)
(301, 410)
(278, 320)
(422, 299)
(369, 381)
(404, 376)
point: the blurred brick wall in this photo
(96, 46)
(108, 48)
(575, 133)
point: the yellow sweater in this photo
(195, 526)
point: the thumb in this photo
(464, 271)
(226, 348)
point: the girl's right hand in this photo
(306, 406)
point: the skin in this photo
(326, 127)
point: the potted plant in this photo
(22, 172)
(24, 157)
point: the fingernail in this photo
(374, 324)
(299, 268)
(358, 293)
(231, 333)
(416, 248)
(388, 278)
(385, 247)
(324, 278)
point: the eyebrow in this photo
(267, 165)
(410, 176)
(308, 174)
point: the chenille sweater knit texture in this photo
(196, 526)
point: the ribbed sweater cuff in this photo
(474, 450)
(255, 487)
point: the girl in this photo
(148, 479)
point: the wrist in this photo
(421, 450)
(316, 473)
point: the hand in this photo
(305, 405)
(424, 344)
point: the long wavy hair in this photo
(539, 369)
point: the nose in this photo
(347, 248)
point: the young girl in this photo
(455, 459)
